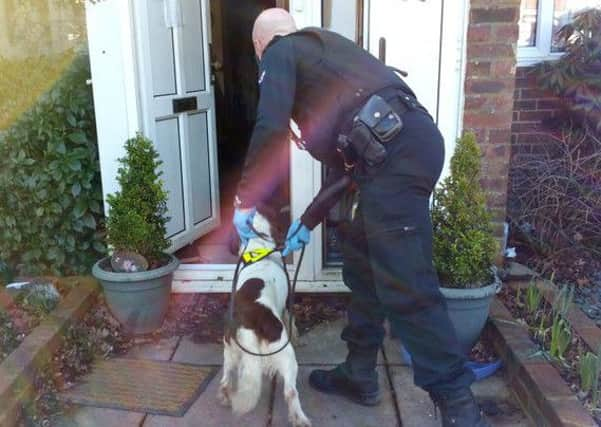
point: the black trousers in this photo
(387, 255)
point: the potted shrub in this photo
(464, 247)
(136, 278)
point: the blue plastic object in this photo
(481, 370)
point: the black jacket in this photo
(319, 79)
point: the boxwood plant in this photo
(464, 245)
(137, 216)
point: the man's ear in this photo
(258, 48)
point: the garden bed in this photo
(544, 339)
(21, 366)
(21, 312)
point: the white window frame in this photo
(541, 51)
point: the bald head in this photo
(270, 23)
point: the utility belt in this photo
(376, 123)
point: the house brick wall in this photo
(489, 92)
(531, 107)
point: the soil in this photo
(19, 316)
(153, 264)
(203, 316)
(576, 266)
(568, 365)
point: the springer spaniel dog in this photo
(260, 326)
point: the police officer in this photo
(393, 151)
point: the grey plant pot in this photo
(138, 300)
(468, 310)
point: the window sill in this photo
(531, 56)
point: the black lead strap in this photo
(291, 292)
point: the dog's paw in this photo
(299, 420)
(223, 395)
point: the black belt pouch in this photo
(376, 123)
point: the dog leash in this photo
(291, 291)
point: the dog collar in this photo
(256, 255)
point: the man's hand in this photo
(298, 236)
(242, 220)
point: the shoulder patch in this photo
(262, 76)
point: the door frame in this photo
(313, 276)
(217, 277)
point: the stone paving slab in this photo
(392, 348)
(161, 350)
(86, 416)
(207, 412)
(327, 410)
(414, 404)
(322, 345)
(417, 410)
(200, 354)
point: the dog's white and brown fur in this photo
(262, 323)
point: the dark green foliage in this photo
(50, 198)
(576, 76)
(137, 216)
(464, 246)
(9, 335)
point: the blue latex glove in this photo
(298, 235)
(242, 220)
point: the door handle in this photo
(382, 49)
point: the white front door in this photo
(177, 110)
(424, 38)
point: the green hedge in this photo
(51, 215)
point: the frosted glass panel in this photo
(198, 138)
(167, 144)
(193, 60)
(161, 50)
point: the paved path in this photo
(320, 347)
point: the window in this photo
(539, 22)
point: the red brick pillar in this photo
(489, 91)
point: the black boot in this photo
(356, 378)
(459, 409)
(338, 381)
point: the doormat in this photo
(154, 387)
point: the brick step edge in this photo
(540, 390)
(19, 369)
